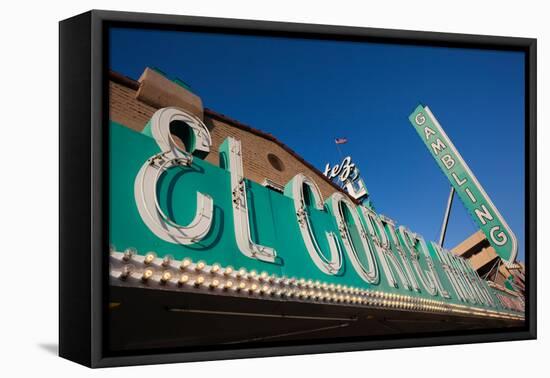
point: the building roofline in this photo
(123, 80)
(134, 84)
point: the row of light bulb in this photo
(186, 274)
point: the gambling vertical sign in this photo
(477, 202)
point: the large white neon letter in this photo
(448, 266)
(389, 227)
(337, 202)
(429, 278)
(145, 185)
(231, 158)
(295, 189)
(383, 249)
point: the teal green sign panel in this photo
(477, 202)
(273, 223)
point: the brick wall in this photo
(126, 110)
(255, 151)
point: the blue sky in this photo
(307, 92)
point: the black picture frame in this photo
(83, 196)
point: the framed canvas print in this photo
(233, 188)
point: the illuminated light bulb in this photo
(253, 287)
(241, 272)
(167, 260)
(214, 284)
(264, 276)
(149, 258)
(147, 273)
(185, 264)
(199, 281)
(227, 271)
(184, 278)
(126, 272)
(215, 268)
(242, 286)
(252, 274)
(129, 253)
(200, 266)
(228, 284)
(166, 276)
(265, 289)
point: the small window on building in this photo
(275, 162)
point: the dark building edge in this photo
(75, 338)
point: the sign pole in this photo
(446, 217)
(339, 151)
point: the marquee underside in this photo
(195, 320)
